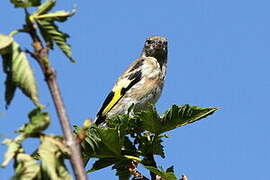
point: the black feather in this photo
(101, 118)
(135, 78)
(136, 75)
(137, 65)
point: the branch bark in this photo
(76, 158)
(41, 55)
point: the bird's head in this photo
(156, 46)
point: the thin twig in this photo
(76, 158)
(41, 55)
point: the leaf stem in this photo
(14, 32)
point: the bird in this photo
(140, 84)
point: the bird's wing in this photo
(128, 79)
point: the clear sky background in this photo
(219, 55)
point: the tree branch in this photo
(41, 55)
(76, 158)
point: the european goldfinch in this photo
(140, 84)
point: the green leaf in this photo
(25, 3)
(60, 16)
(52, 153)
(19, 74)
(170, 169)
(125, 124)
(160, 172)
(5, 42)
(158, 148)
(176, 116)
(122, 169)
(90, 146)
(150, 118)
(38, 121)
(102, 143)
(51, 34)
(49, 30)
(102, 163)
(151, 144)
(128, 147)
(13, 148)
(44, 8)
(10, 89)
(110, 139)
(26, 168)
(93, 140)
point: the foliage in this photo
(18, 71)
(49, 30)
(47, 161)
(123, 142)
(25, 3)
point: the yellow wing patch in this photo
(117, 94)
(116, 97)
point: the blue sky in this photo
(218, 56)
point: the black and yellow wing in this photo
(127, 80)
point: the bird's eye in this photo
(149, 42)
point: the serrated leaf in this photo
(52, 152)
(44, 8)
(102, 163)
(151, 144)
(150, 118)
(158, 148)
(160, 172)
(38, 121)
(104, 143)
(26, 168)
(25, 3)
(51, 34)
(13, 148)
(176, 116)
(93, 141)
(90, 144)
(19, 74)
